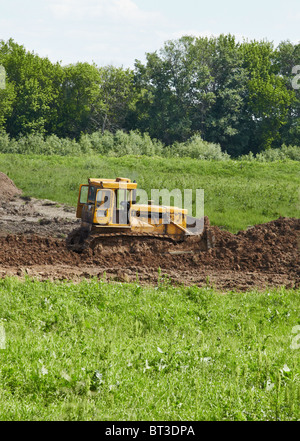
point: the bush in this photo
(291, 152)
(4, 143)
(38, 145)
(133, 143)
(197, 148)
(121, 143)
(285, 153)
(110, 144)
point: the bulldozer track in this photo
(79, 240)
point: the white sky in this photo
(119, 31)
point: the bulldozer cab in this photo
(105, 202)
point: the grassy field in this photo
(99, 351)
(237, 193)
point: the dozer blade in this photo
(195, 226)
(200, 228)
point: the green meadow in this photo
(99, 351)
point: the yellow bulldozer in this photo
(108, 208)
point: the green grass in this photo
(237, 193)
(99, 351)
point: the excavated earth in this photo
(33, 242)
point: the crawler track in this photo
(79, 241)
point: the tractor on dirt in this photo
(108, 208)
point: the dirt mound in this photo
(274, 245)
(265, 255)
(8, 190)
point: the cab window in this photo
(92, 194)
(83, 194)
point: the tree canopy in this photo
(237, 94)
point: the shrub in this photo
(121, 143)
(197, 148)
(285, 153)
(4, 142)
(133, 143)
(291, 152)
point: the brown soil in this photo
(25, 215)
(32, 241)
(7, 188)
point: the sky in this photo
(119, 31)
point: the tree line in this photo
(241, 95)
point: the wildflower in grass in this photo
(66, 376)
(2, 336)
(269, 385)
(146, 366)
(44, 371)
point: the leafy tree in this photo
(268, 98)
(170, 87)
(30, 80)
(286, 58)
(116, 99)
(93, 98)
(194, 85)
(7, 98)
(231, 93)
(238, 95)
(225, 121)
(78, 92)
